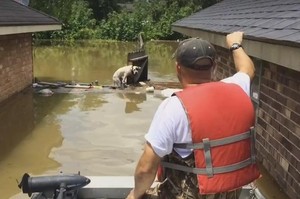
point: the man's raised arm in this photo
(242, 61)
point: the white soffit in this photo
(8, 30)
(282, 55)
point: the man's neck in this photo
(198, 83)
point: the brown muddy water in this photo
(94, 133)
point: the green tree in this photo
(104, 19)
(75, 15)
(153, 18)
(101, 8)
(81, 22)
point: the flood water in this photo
(94, 133)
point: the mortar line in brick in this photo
(280, 104)
(277, 83)
(277, 162)
(279, 141)
(278, 74)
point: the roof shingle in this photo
(13, 13)
(274, 20)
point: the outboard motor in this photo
(53, 187)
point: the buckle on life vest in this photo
(208, 158)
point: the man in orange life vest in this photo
(200, 142)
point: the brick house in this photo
(272, 39)
(17, 23)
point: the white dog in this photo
(121, 75)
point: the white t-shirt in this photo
(170, 122)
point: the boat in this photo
(117, 187)
(76, 186)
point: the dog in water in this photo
(121, 75)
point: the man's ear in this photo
(178, 67)
(213, 72)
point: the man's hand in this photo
(235, 37)
(242, 61)
(145, 172)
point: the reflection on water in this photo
(104, 140)
(99, 60)
(132, 100)
(94, 133)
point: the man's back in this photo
(220, 115)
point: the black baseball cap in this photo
(195, 53)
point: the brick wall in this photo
(16, 71)
(278, 129)
(278, 121)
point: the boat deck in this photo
(117, 187)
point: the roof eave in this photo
(278, 52)
(7, 30)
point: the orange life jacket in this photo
(220, 117)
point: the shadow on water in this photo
(16, 116)
(30, 129)
(19, 126)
